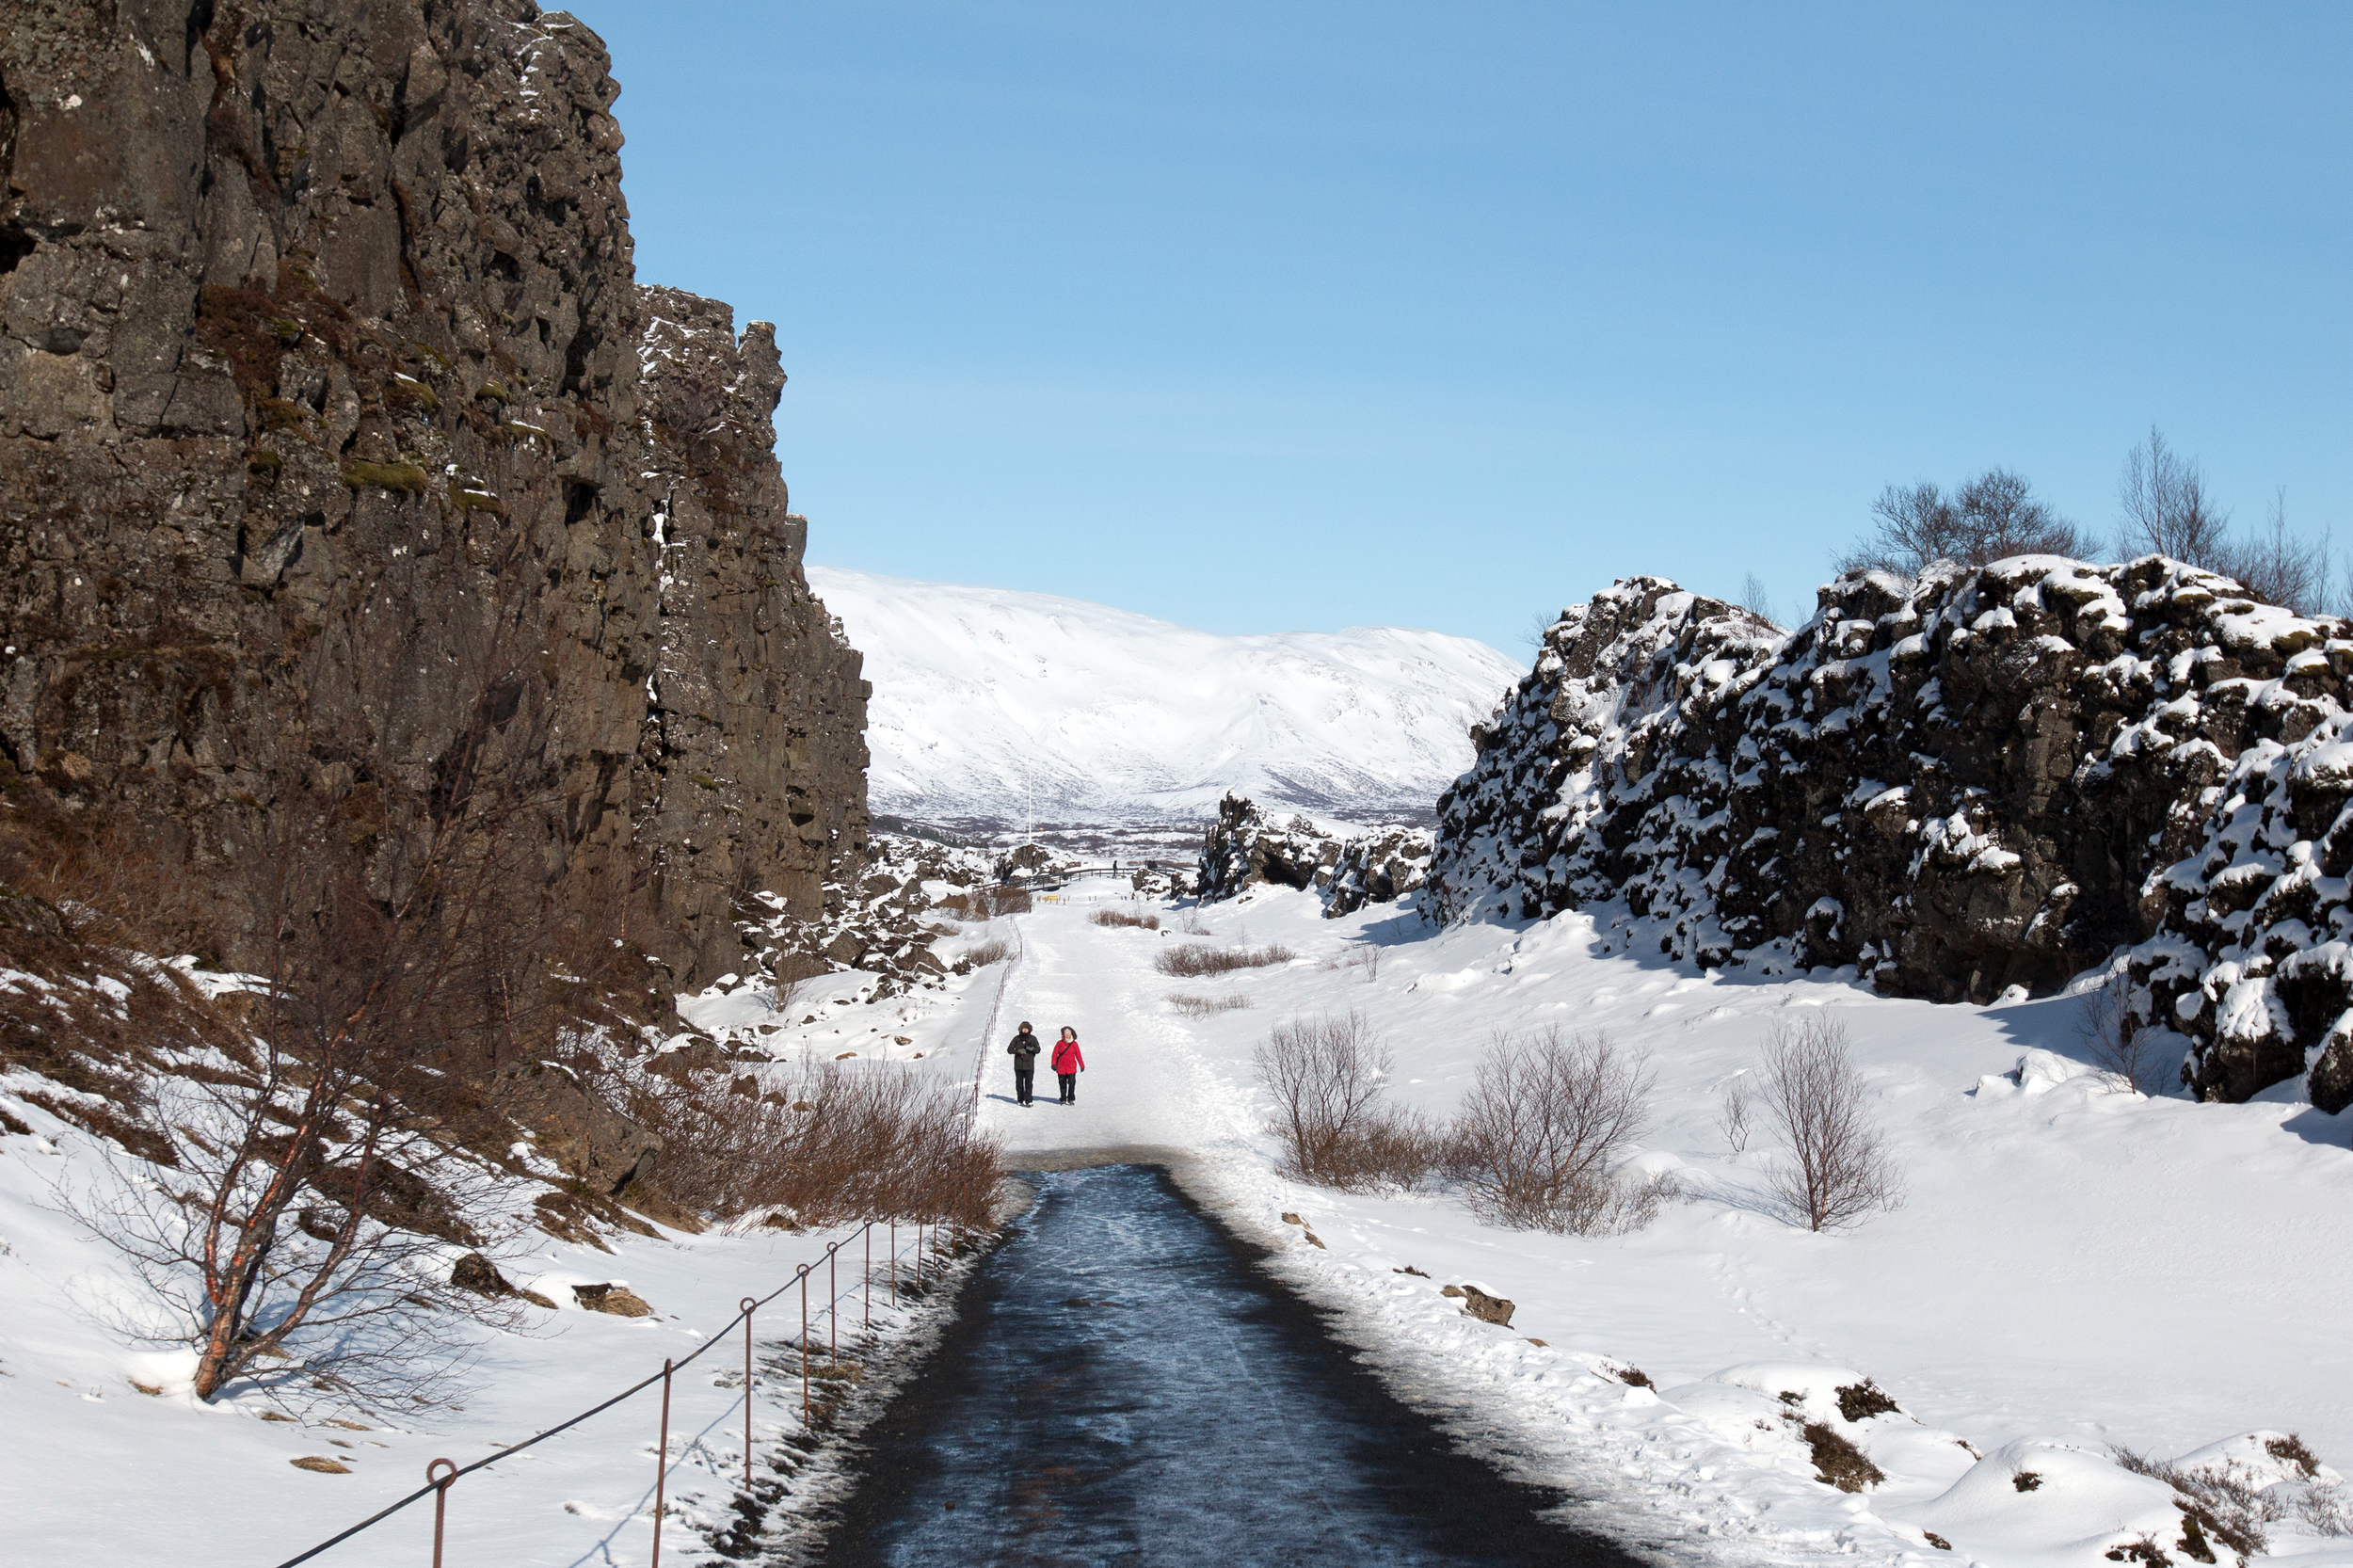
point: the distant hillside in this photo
(983, 693)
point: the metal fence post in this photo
(440, 1500)
(869, 1235)
(833, 1307)
(749, 1306)
(894, 1262)
(662, 1463)
(803, 1347)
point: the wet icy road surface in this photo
(1123, 1388)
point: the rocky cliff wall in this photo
(324, 367)
(1983, 780)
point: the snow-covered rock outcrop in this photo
(1348, 868)
(1985, 780)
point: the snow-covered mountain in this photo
(983, 696)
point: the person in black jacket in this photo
(1024, 1051)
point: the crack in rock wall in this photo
(314, 319)
(1983, 780)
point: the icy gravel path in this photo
(1124, 1387)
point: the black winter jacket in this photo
(1025, 1046)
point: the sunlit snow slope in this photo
(982, 694)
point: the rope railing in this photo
(442, 1474)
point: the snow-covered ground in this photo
(2076, 1268)
(99, 1470)
(987, 700)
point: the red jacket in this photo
(1066, 1057)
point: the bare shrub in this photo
(1394, 1147)
(265, 1274)
(1731, 1117)
(1367, 958)
(1543, 1131)
(995, 950)
(783, 995)
(2324, 1508)
(2224, 1498)
(1325, 1074)
(2293, 1449)
(1122, 917)
(827, 1144)
(1757, 600)
(317, 1156)
(1194, 925)
(2117, 1041)
(1191, 960)
(1837, 1461)
(1202, 1007)
(1837, 1166)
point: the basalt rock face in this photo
(323, 367)
(1244, 848)
(1981, 780)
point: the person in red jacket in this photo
(1068, 1064)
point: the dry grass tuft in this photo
(1194, 959)
(1121, 918)
(1840, 1462)
(1202, 1007)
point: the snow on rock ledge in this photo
(1982, 779)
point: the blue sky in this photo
(1297, 316)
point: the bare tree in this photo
(1837, 1165)
(1991, 517)
(320, 1164)
(1757, 600)
(2275, 567)
(2166, 508)
(1542, 1132)
(264, 1275)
